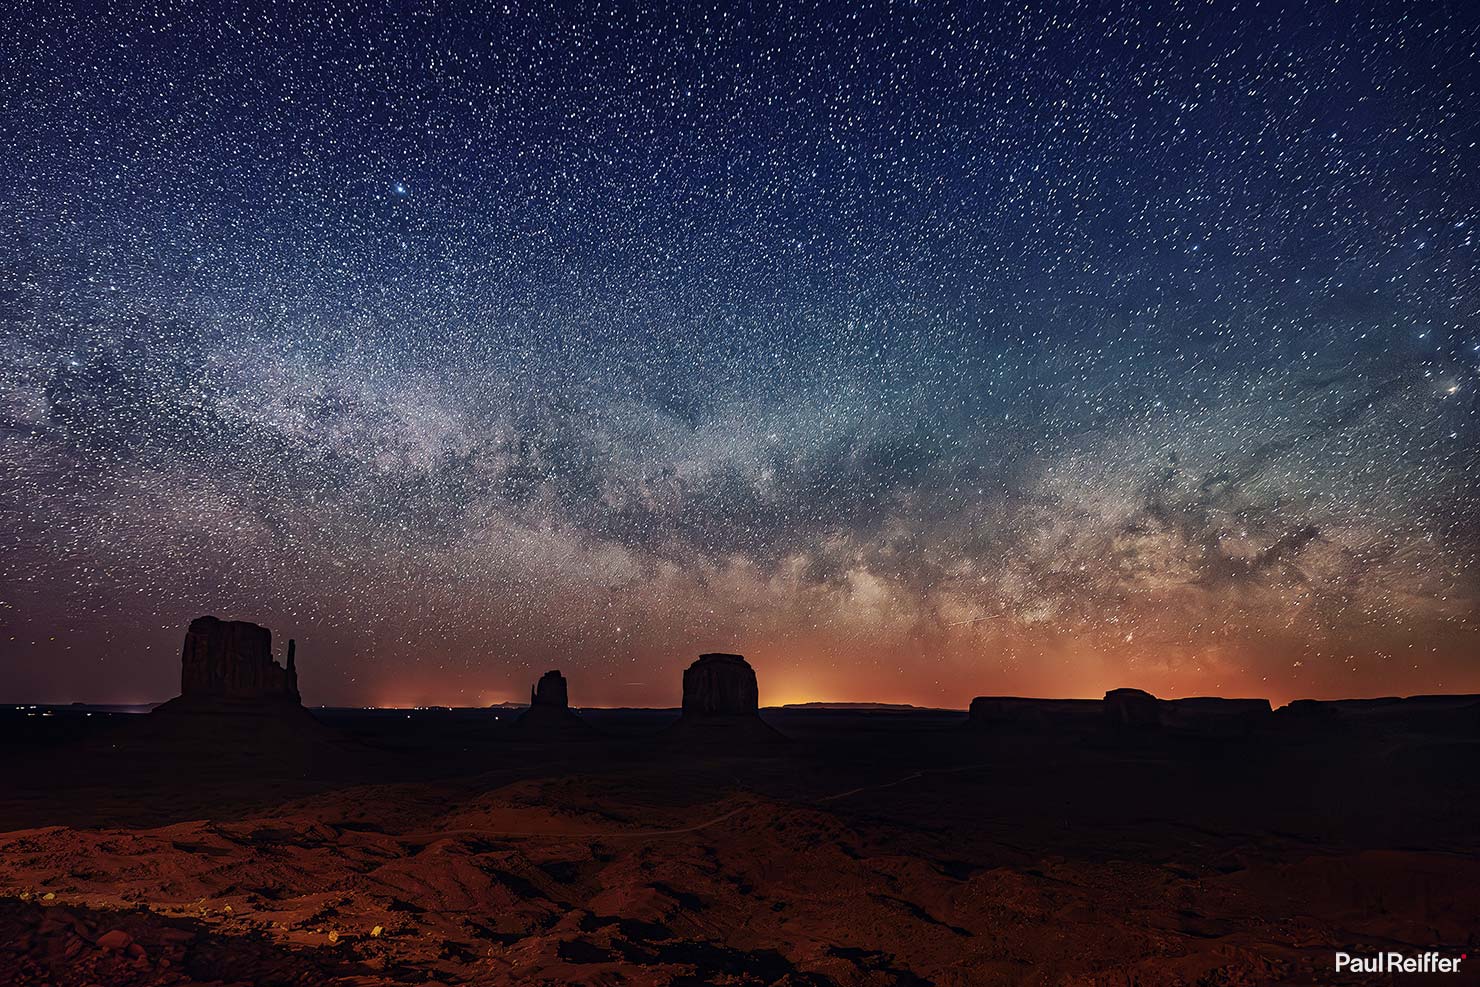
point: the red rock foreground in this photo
(868, 851)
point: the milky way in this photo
(916, 351)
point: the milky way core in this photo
(915, 351)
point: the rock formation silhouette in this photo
(1128, 710)
(293, 669)
(1136, 711)
(1214, 716)
(227, 669)
(231, 661)
(549, 707)
(236, 705)
(1126, 713)
(550, 690)
(721, 702)
(1445, 715)
(720, 685)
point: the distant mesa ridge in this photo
(232, 660)
(1456, 715)
(1125, 712)
(1132, 709)
(1134, 715)
(1135, 710)
(227, 666)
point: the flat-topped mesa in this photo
(1448, 715)
(721, 705)
(232, 660)
(1133, 711)
(550, 691)
(1216, 715)
(720, 685)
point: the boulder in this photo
(720, 685)
(115, 941)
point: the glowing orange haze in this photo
(793, 676)
(937, 670)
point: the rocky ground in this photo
(870, 849)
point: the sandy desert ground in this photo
(869, 848)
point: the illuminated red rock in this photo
(720, 685)
(115, 941)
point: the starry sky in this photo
(915, 350)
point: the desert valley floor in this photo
(865, 848)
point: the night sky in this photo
(917, 351)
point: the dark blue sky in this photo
(916, 350)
